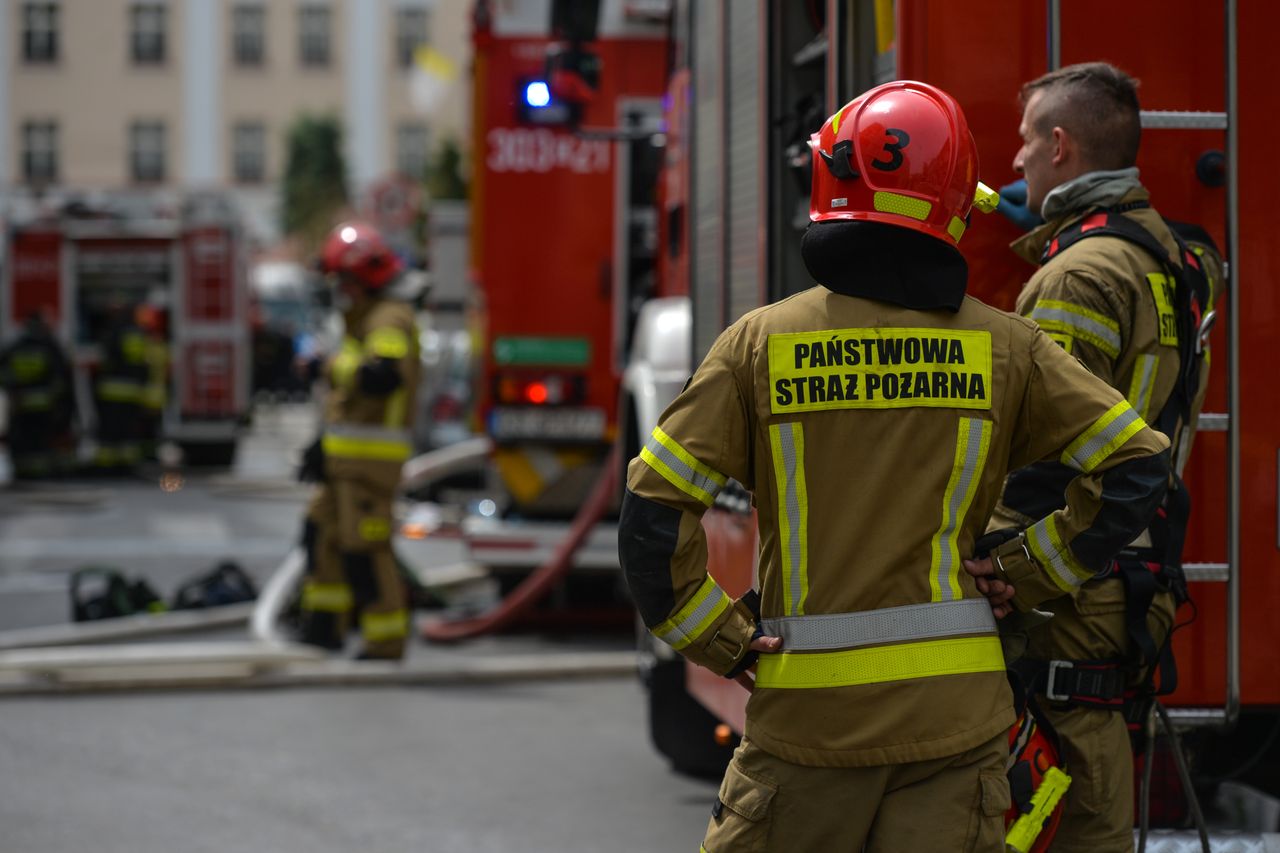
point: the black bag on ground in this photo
(103, 592)
(227, 583)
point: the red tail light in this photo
(555, 389)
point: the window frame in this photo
(148, 46)
(49, 43)
(140, 171)
(249, 46)
(315, 46)
(403, 131)
(407, 41)
(249, 165)
(48, 129)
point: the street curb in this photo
(341, 673)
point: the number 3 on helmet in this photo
(901, 154)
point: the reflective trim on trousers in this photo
(118, 391)
(879, 664)
(885, 625)
(973, 439)
(326, 597)
(787, 443)
(381, 627)
(692, 621)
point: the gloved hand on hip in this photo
(1013, 204)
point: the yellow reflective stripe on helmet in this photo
(380, 627)
(326, 597)
(956, 228)
(973, 439)
(1046, 545)
(903, 205)
(387, 342)
(679, 467)
(1144, 375)
(1026, 829)
(879, 664)
(787, 442)
(119, 391)
(1107, 435)
(691, 621)
(1054, 315)
(835, 121)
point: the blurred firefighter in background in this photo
(117, 390)
(366, 438)
(35, 374)
(153, 322)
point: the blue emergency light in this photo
(537, 94)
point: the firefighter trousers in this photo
(767, 805)
(351, 569)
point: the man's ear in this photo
(1064, 147)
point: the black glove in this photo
(311, 470)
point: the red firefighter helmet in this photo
(358, 249)
(901, 154)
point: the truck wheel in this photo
(208, 454)
(681, 729)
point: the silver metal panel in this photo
(1213, 422)
(1184, 119)
(708, 171)
(743, 136)
(1206, 571)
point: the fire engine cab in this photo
(77, 260)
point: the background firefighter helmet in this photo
(901, 154)
(359, 250)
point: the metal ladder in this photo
(1228, 572)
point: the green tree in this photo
(444, 173)
(315, 179)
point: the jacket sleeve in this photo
(702, 440)
(387, 350)
(1085, 317)
(1121, 473)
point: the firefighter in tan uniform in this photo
(874, 419)
(1121, 293)
(347, 534)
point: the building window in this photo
(147, 33)
(411, 33)
(411, 150)
(248, 34)
(313, 32)
(39, 32)
(40, 152)
(147, 151)
(249, 152)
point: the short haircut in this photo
(1097, 104)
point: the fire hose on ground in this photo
(539, 582)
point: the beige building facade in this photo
(199, 94)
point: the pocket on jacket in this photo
(740, 820)
(1101, 597)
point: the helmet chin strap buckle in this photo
(840, 161)
(985, 198)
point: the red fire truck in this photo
(76, 260)
(735, 201)
(567, 106)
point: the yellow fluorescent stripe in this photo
(1144, 376)
(387, 342)
(1114, 444)
(956, 228)
(688, 458)
(966, 471)
(1061, 339)
(1079, 310)
(393, 415)
(1088, 436)
(787, 442)
(345, 447)
(915, 208)
(326, 597)
(378, 627)
(1044, 559)
(675, 479)
(1059, 546)
(879, 664)
(690, 621)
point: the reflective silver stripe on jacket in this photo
(364, 432)
(886, 625)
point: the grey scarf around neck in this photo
(1092, 189)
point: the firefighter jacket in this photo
(875, 439)
(373, 383)
(36, 375)
(1108, 302)
(122, 373)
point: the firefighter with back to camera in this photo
(367, 427)
(874, 418)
